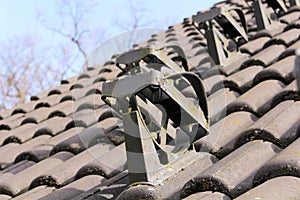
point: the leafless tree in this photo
(138, 16)
(74, 26)
(137, 26)
(29, 66)
(25, 70)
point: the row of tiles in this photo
(57, 134)
(219, 143)
(24, 127)
(254, 164)
(238, 82)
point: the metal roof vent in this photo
(217, 42)
(160, 121)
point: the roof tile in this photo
(286, 163)
(16, 168)
(108, 192)
(35, 193)
(21, 129)
(276, 126)
(254, 46)
(277, 71)
(75, 188)
(65, 172)
(240, 81)
(220, 141)
(7, 159)
(290, 17)
(78, 140)
(35, 154)
(207, 196)
(265, 57)
(11, 122)
(4, 114)
(257, 100)
(92, 101)
(107, 164)
(211, 81)
(217, 103)
(233, 174)
(4, 197)
(51, 127)
(235, 65)
(290, 50)
(20, 182)
(273, 189)
(289, 37)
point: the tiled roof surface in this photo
(48, 146)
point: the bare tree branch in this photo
(74, 13)
(29, 67)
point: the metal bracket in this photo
(218, 45)
(160, 122)
(294, 3)
(264, 20)
(277, 5)
(152, 55)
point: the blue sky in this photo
(19, 17)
